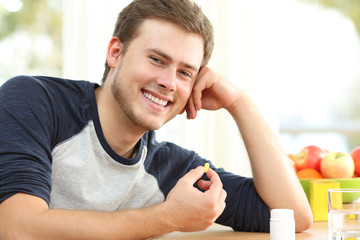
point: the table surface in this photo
(318, 231)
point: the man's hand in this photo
(186, 208)
(211, 92)
(191, 209)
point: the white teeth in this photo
(155, 99)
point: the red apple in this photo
(309, 157)
(355, 154)
(337, 165)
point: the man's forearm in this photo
(274, 177)
(33, 221)
(128, 224)
(186, 208)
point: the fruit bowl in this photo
(344, 183)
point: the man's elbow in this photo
(304, 221)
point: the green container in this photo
(344, 183)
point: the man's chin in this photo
(149, 126)
(153, 123)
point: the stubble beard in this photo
(127, 107)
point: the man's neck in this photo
(122, 140)
(119, 132)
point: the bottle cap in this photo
(282, 224)
(282, 214)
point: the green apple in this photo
(337, 165)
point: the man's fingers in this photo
(214, 190)
(204, 81)
(214, 179)
(205, 185)
(196, 95)
(193, 207)
(223, 196)
(214, 186)
(190, 108)
(221, 201)
(193, 175)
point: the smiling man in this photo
(81, 161)
(151, 82)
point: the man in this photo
(80, 161)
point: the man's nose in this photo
(168, 80)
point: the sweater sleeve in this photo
(25, 140)
(245, 210)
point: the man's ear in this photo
(114, 51)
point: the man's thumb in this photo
(194, 174)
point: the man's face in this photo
(154, 78)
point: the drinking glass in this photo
(344, 214)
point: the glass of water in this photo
(344, 214)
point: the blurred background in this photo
(298, 59)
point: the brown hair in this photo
(185, 13)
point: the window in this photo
(320, 101)
(30, 38)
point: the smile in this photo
(155, 99)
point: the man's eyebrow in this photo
(167, 57)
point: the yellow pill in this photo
(352, 216)
(206, 167)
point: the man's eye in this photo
(186, 74)
(155, 59)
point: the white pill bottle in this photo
(282, 224)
